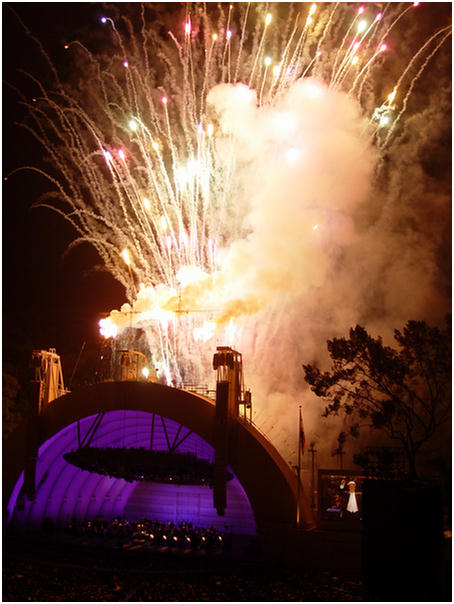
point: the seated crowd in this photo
(43, 582)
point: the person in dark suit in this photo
(351, 500)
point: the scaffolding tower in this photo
(48, 375)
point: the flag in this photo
(302, 435)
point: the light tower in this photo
(46, 385)
(134, 367)
(228, 364)
(230, 395)
(48, 376)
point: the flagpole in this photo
(298, 472)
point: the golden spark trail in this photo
(415, 79)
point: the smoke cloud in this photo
(303, 166)
(325, 245)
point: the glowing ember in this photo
(126, 257)
(107, 328)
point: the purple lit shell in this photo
(65, 492)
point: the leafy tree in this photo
(383, 461)
(404, 392)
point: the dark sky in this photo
(49, 299)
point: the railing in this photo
(211, 393)
(199, 389)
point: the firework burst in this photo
(182, 151)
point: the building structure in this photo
(38, 483)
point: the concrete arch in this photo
(267, 480)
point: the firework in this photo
(154, 157)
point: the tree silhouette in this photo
(403, 392)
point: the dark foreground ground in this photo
(24, 582)
(73, 572)
(46, 568)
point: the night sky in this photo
(49, 299)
